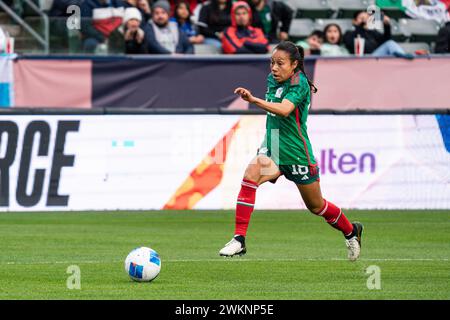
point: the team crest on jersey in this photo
(279, 92)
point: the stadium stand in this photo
(345, 24)
(397, 32)
(301, 28)
(205, 49)
(311, 8)
(419, 30)
(308, 15)
(413, 47)
(346, 8)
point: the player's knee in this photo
(315, 207)
(252, 173)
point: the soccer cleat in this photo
(235, 247)
(354, 243)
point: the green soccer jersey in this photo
(286, 140)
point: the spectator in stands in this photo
(241, 37)
(99, 21)
(443, 39)
(191, 3)
(273, 17)
(214, 18)
(144, 7)
(59, 7)
(182, 16)
(313, 43)
(164, 36)
(130, 3)
(376, 43)
(332, 45)
(134, 36)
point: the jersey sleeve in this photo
(298, 91)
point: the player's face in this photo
(332, 35)
(281, 66)
(160, 16)
(242, 17)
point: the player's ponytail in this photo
(301, 67)
(296, 53)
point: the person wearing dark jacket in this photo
(164, 36)
(99, 19)
(273, 17)
(214, 17)
(241, 37)
(59, 7)
(376, 43)
(443, 39)
(134, 36)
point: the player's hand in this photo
(245, 94)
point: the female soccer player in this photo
(286, 150)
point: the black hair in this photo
(318, 34)
(328, 26)
(175, 13)
(215, 11)
(356, 13)
(296, 53)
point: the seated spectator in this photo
(134, 36)
(332, 45)
(214, 18)
(164, 36)
(313, 43)
(130, 3)
(443, 39)
(133, 4)
(375, 43)
(182, 16)
(144, 7)
(99, 19)
(241, 37)
(191, 3)
(59, 7)
(273, 17)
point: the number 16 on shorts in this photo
(298, 169)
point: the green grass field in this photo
(291, 255)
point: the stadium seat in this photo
(205, 49)
(301, 28)
(397, 32)
(346, 8)
(419, 30)
(411, 47)
(345, 24)
(311, 8)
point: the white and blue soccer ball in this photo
(143, 264)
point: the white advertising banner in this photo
(139, 162)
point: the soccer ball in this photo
(143, 264)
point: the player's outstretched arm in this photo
(283, 108)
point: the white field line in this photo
(237, 259)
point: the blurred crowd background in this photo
(400, 28)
